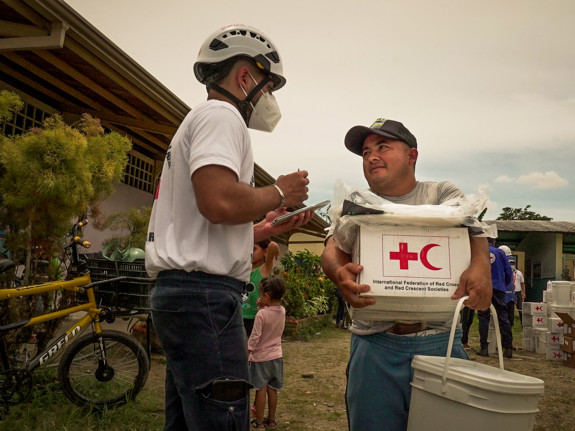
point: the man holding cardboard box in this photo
(379, 371)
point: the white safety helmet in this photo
(240, 40)
(505, 250)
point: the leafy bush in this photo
(308, 291)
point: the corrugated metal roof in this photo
(564, 227)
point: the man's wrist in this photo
(282, 195)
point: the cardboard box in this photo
(563, 293)
(529, 344)
(568, 324)
(554, 355)
(535, 321)
(555, 324)
(547, 296)
(568, 344)
(569, 360)
(414, 261)
(412, 271)
(554, 339)
(534, 308)
(541, 341)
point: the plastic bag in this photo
(352, 208)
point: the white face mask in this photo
(266, 112)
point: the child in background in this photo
(263, 256)
(265, 350)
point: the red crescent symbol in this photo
(423, 257)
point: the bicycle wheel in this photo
(85, 378)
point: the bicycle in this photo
(101, 369)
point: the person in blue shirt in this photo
(501, 277)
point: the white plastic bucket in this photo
(562, 293)
(491, 338)
(451, 393)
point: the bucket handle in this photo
(452, 336)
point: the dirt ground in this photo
(315, 383)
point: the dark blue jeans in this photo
(198, 319)
(340, 314)
(467, 315)
(498, 301)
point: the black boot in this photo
(483, 352)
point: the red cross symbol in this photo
(403, 256)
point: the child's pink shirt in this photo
(265, 343)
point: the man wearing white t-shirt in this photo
(201, 230)
(519, 282)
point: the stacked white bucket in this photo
(542, 328)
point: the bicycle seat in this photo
(5, 265)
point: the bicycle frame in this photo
(100, 358)
(78, 284)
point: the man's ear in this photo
(413, 154)
(243, 77)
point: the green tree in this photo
(132, 226)
(308, 291)
(52, 175)
(10, 103)
(509, 213)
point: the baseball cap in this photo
(382, 127)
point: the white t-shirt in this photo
(179, 237)
(518, 279)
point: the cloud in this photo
(548, 180)
(503, 179)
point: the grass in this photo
(516, 330)
(305, 403)
(48, 409)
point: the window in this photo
(139, 173)
(29, 116)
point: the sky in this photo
(486, 87)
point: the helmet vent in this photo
(216, 45)
(273, 56)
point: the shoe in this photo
(258, 425)
(466, 347)
(270, 423)
(508, 353)
(483, 352)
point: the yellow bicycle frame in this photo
(75, 285)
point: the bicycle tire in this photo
(86, 383)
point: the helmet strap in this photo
(243, 105)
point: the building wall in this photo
(569, 263)
(123, 199)
(543, 251)
(302, 241)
